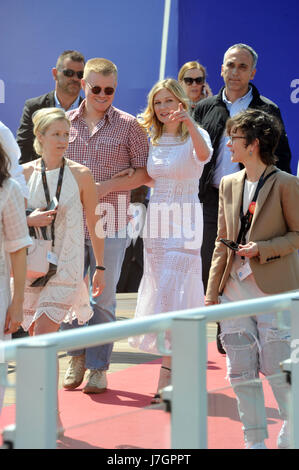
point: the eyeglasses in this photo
(231, 138)
(197, 80)
(71, 73)
(96, 90)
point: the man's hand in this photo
(127, 172)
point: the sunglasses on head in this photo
(71, 73)
(96, 90)
(197, 80)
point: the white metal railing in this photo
(36, 357)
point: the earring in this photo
(250, 153)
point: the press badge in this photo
(244, 271)
(52, 258)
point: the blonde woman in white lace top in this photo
(65, 296)
(173, 230)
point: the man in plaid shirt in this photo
(107, 141)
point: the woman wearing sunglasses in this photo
(173, 229)
(192, 77)
(14, 239)
(258, 209)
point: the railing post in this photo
(36, 396)
(189, 397)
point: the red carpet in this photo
(117, 419)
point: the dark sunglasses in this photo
(71, 73)
(197, 80)
(96, 90)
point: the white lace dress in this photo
(13, 236)
(172, 278)
(65, 296)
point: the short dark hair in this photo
(4, 166)
(256, 124)
(70, 54)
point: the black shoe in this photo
(19, 334)
(219, 344)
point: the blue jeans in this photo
(98, 357)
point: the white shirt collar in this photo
(243, 98)
(73, 106)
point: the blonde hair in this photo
(100, 65)
(42, 119)
(191, 65)
(148, 119)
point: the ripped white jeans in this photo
(254, 344)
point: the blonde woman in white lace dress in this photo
(172, 239)
(65, 296)
(14, 238)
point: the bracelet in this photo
(101, 268)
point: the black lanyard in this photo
(58, 191)
(247, 218)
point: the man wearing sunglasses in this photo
(238, 94)
(107, 141)
(67, 75)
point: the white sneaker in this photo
(96, 381)
(75, 373)
(256, 445)
(283, 440)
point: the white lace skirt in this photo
(75, 303)
(171, 281)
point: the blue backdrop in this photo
(129, 32)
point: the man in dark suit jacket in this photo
(67, 75)
(238, 69)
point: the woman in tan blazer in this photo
(258, 210)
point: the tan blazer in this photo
(275, 229)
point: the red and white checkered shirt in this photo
(116, 143)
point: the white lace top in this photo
(65, 296)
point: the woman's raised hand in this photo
(180, 115)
